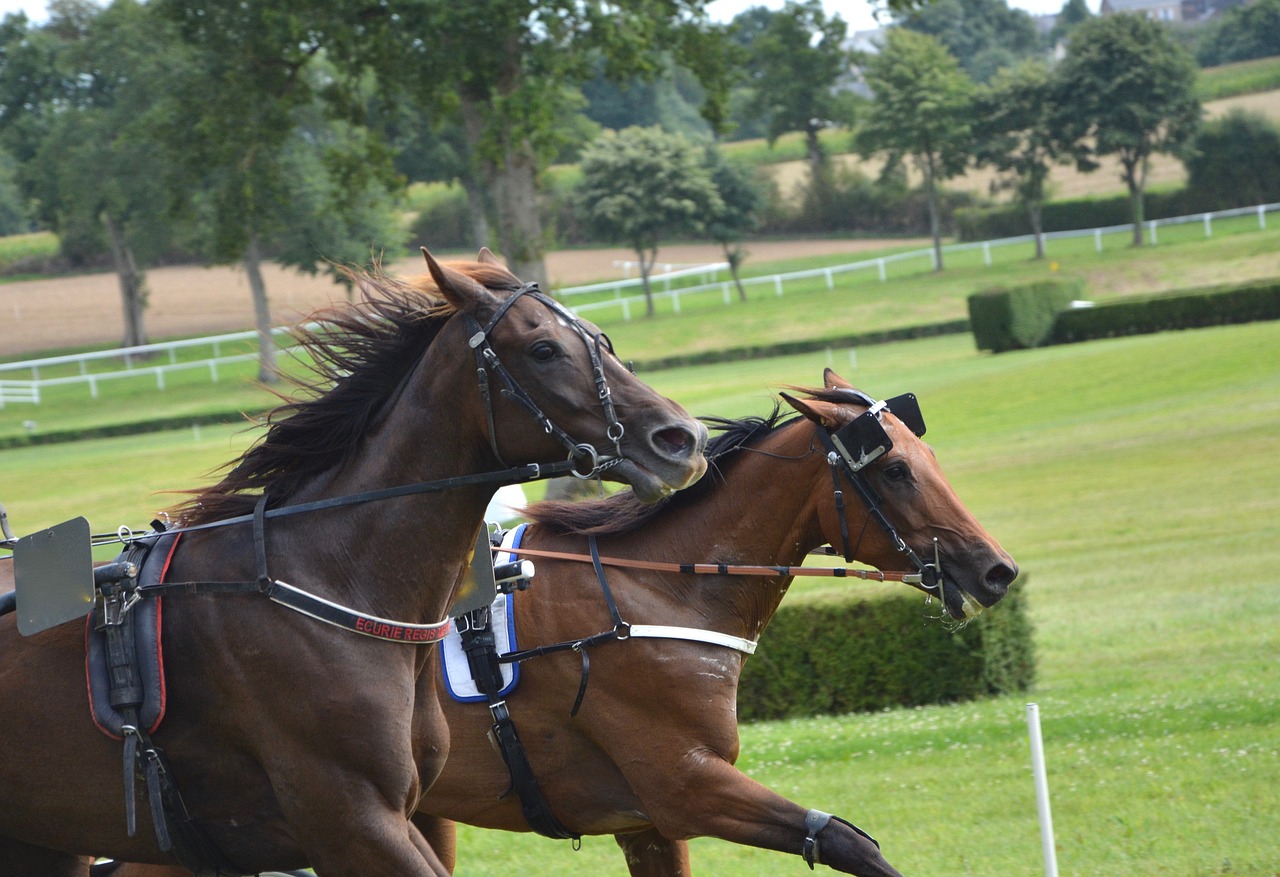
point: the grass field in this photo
(1135, 480)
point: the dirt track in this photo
(69, 311)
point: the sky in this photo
(856, 12)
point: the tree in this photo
(1242, 34)
(982, 35)
(741, 200)
(1073, 12)
(642, 185)
(81, 124)
(502, 68)
(922, 108)
(282, 92)
(1236, 161)
(1019, 134)
(1126, 88)
(796, 63)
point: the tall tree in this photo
(502, 67)
(1019, 134)
(81, 123)
(642, 186)
(983, 35)
(922, 109)
(1242, 33)
(739, 213)
(795, 64)
(237, 141)
(1126, 88)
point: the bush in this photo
(984, 224)
(856, 654)
(1019, 317)
(444, 222)
(1187, 309)
(1236, 161)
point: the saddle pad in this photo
(457, 672)
(146, 618)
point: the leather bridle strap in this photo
(723, 569)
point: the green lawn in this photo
(1137, 481)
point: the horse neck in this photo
(764, 513)
(402, 558)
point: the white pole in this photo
(1042, 791)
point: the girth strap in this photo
(482, 657)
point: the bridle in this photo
(856, 445)
(487, 361)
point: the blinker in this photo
(864, 439)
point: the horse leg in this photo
(649, 854)
(18, 859)
(709, 797)
(441, 835)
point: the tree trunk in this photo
(512, 184)
(734, 256)
(935, 224)
(133, 284)
(268, 368)
(1037, 226)
(647, 259)
(1135, 178)
(478, 207)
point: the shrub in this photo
(855, 654)
(1187, 309)
(1019, 317)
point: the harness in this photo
(119, 588)
(849, 451)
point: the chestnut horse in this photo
(292, 741)
(649, 756)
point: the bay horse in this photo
(293, 741)
(649, 756)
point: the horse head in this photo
(532, 355)
(910, 519)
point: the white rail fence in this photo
(668, 286)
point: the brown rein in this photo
(723, 569)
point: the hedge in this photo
(1019, 317)
(1186, 309)
(854, 654)
(978, 224)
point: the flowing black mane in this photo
(623, 513)
(359, 354)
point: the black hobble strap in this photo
(814, 822)
(478, 644)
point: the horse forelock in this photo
(357, 356)
(623, 512)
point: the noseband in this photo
(855, 446)
(487, 361)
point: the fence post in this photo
(159, 378)
(880, 265)
(626, 311)
(1097, 239)
(724, 289)
(675, 302)
(1042, 791)
(1262, 216)
(830, 283)
(777, 285)
(986, 253)
(1208, 226)
(1151, 226)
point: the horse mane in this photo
(623, 513)
(360, 354)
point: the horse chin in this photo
(648, 487)
(959, 603)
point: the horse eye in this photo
(897, 472)
(544, 351)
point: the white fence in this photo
(139, 360)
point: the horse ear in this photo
(487, 257)
(825, 413)
(833, 381)
(460, 290)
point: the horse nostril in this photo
(1001, 576)
(675, 441)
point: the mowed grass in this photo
(1135, 480)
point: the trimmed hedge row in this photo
(857, 655)
(138, 427)
(985, 224)
(1186, 309)
(1019, 317)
